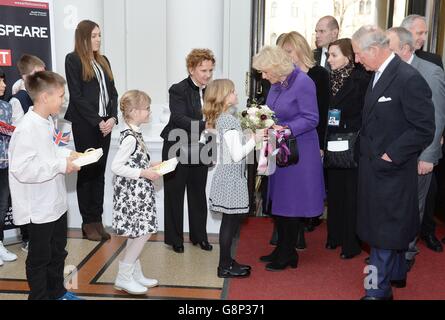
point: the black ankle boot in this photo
(278, 266)
(269, 257)
(274, 239)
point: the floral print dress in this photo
(134, 207)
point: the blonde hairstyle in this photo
(273, 59)
(299, 43)
(198, 56)
(215, 97)
(85, 51)
(131, 100)
(43, 81)
(27, 63)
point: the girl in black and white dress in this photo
(134, 208)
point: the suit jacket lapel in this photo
(373, 95)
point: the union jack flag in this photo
(6, 129)
(60, 138)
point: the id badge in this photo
(334, 117)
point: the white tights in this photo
(134, 248)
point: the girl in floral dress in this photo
(134, 208)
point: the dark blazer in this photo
(185, 108)
(320, 76)
(431, 57)
(317, 56)
(398, 119)
(84, 96)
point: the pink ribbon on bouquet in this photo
(266, 152)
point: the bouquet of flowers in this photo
(257, 117)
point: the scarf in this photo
(338, 77)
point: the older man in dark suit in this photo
(418, 27)
(416, 24)
(398, 123)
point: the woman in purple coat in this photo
(296, 191)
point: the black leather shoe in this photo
(398, 283)
(205, 245)
(375, 298)
(241, 266)
(410, 264)
(232, 272)
(432, 242)
(330, 246)
(276, 266)
(178, 249)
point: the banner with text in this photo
(25, 27)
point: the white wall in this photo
(146, 42)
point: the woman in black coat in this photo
(92, 111)
(348, 86)
(186, 102)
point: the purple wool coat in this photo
(297, 190)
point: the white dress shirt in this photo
(17, 111)
(124, 152)
(36, 172)
(323, 60)
(382, 68)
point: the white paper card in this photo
(88, 157)
(166, 166)
(338, 146)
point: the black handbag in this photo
(287, 147)
(344, 159)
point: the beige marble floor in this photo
(78, 250)
(193, 268)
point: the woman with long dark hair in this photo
(92, 110)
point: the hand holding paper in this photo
(88, 157)
(166, 166)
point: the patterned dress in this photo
(134, 207)
(228, 192)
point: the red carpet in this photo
(321, 274)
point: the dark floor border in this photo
(108, 264)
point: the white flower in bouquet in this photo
(257, 117)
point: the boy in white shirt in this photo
(21, 101)
(37, 168)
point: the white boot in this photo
(139, 276)
(5, 255)
(125, 281)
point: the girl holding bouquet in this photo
(228, 192)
